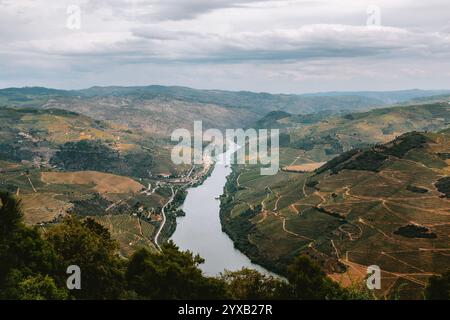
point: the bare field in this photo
(302, 168)
(101, 182)
(42, 207)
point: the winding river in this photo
(200, 230)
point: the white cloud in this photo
(292, 41)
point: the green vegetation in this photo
(439, 287)
(248, 284)
(385, 205)
(309, 143)
(94, 155)
(34, 263)
(443, 185)
(324, 135)
(374, 158)
(413, 231)
(170, 275)
(381, 199)
(311, 283)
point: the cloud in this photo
(156, 10)
(230, 41)
(306, 42)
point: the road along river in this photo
(200, 230)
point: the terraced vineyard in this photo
(380, 206)
(59, 163)
(322, 136)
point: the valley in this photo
(361, 182)
(61, 163)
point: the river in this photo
(200, 230)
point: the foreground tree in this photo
(23, 253)
(248, 284)
(89, 245)
(40, 288)
(438, 287)
(34, 267)
(171, 274)
(311, 283)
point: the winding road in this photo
(164, 219)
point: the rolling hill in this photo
(159, 110)
(59, 162)
(322, 136)
(381, 198)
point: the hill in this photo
(159, 110)
(60, 162)
(322, 136)
(386, 206)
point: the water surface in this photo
(200, 230)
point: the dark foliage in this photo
(438, 287)
(416, 189)
(171, 274)
(97, 156)
(413, 231)
(443, 185)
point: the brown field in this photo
(307, 167)
(37, 207)
(102, 182)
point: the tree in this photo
(40, 288)
(438, 287)
(248, 284)
(10, 215)
(311, 283)
(171, 274)
(88, 245)
(23, 252)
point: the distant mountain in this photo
(387, 97)
(160, 109)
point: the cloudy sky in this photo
(291, 46)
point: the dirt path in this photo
(32, 186)
(361, 220)
(406, 276)
(293, 233)
(294, 209)
(161, 227)
(335, 249)
(276, 203)
(304, 188)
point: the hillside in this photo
(60, 162)
(322, 136)
(159, 110)
(386, 205)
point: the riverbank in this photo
(240, 227)
(174, 210)
(200, 231)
